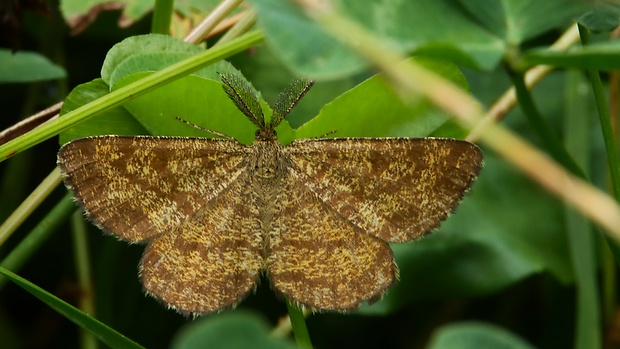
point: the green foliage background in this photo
(513, 267)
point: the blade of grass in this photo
(549, 138)
(105, 333)
(508, 99)
(613, 156)
(613, 163)
(37, 236)
(33, 201)
(581, 237)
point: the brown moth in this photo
(315, 216)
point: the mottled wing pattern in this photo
(319, 260)
(137, 187)
(394, 188)
(213, 259)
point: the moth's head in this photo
(266, 134)
(241, 94)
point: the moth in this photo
(315, 216)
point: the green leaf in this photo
(603, 16)
(153, 52)
(156, 111)
(516, 21)
(23, 66)
(137, 57)
(374, 109)
(317, 55)
(370, 109)
(239, 329)
(440, 27)
(599, 56)
(106, 334)
(473, 335)
(437, 28)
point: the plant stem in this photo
(162, 16)
(298, 322)
(83, 270)
(546, 134)
(216, 16)
(241, 27)
(613, 157)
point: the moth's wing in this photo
(213, 259)
(318, 259)
(138, 187)
(394, 188)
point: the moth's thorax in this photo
(268, 163)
